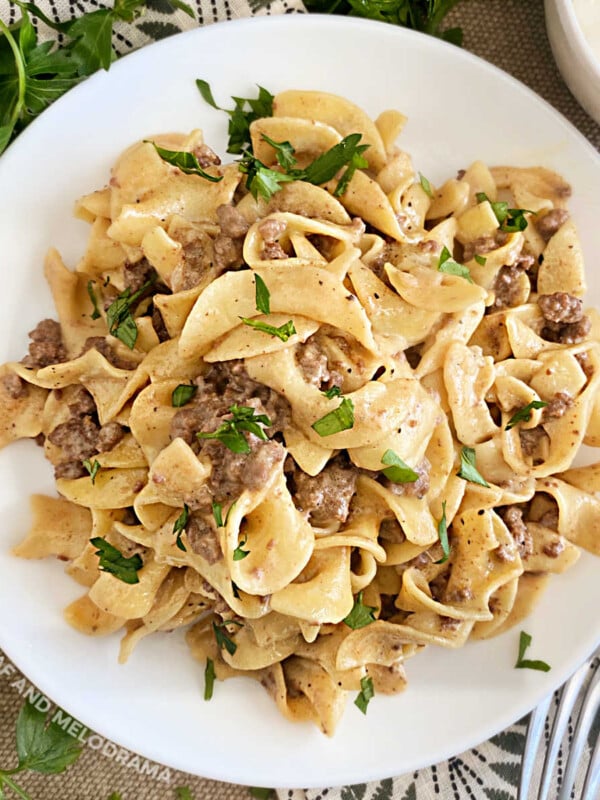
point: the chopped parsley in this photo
(397, 471)
(511, 219)
(119, 317)
(260, 179)
(283, 332)
(443, 536)
(222, 637)
(524, 663)
(209, 679)
(335, 391)
(180, 525)
(182, 394)
(115, 563)
(262, 295)
(361, 615)
(425, 185)
(217, 510)
(481, 260)
(92, 468)
(365, 695)
(241, 116)
(284, 152)
(230, 433)
(450, 267)
(92, 295)
(524, 414)
(340, 419)
(239, 553)
(467, 470)
(184, 161)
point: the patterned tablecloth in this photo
(511, 34)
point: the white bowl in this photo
(576, 60)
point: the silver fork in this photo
(590, 707)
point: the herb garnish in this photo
(283, 332)
(365, 695)
(449, 266)
(335, 391)
(524, 414)
(481, 260)
(34, 75)
(425, 185)
(284, 152)
(511, 219)
(443, 536)
(180, 525)
(92, 468)
(398, 471)
(467, 469)
(222, 636)
(361, 615)
(185, 161)
(244, 113)
(119, 317)
(261, 180)
(262, 295)
(230, 432)
(239, 553)
(340, 419)
(115, 563)
(42, 746)
(523, 663)
(217, 510)
(92, 295)
(182, 394)
(209, 679)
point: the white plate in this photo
(459, 109)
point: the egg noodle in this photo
(323, 426)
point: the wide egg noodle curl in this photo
(431, 362)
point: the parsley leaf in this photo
(261, 180)
(328, 164)
(217, 510)
(180, 525)
(361, 615)
(340, 419)
(425, 185)
(335, 391)
(91, 468)
(449, 266)
(222, 636)
(244, 113)
(239, 553)
(209, 679)
(283, 332)
(230, 432)
(92, 295)
(115, 563)
(468, 470)
(185, 161)
(182, 394)
(398, 471)
(481, 260)
(443, 536)
(262, 295)
(524, 414)
(119, 317)
(365, 695)
(511, 219)
(284, 152)
(523, 663)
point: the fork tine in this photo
(591, 788)
(591, 703)
(568, 697)
(535, 728)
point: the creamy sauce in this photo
(588, 15)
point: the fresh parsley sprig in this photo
(282, 332)
(443, 536)
(119, 317)
(182, 394)
(92, 468)
(447, 264)
(468, 471)
(366, 694)
(524, 414)
(397, 470)
(115, 563)
(511, 220)
(340, 419)
(33, 75)
(230, 433)
(42, 746)
(184, 161)
(180, 525)
(361, 615)
(524, 663)
(241, 116)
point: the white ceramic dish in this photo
(576, 60)
(459, 109)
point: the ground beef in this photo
(429, 246)
(70, 470)
(559, 404)
(136, 275)
(326, 497)
(46, 345)
(273, 251)
(82, 403)
(232, 222)
(206, 156)
(417, 488)
(483, 245)
(504, 554)
(554, 548)
(159, 325)
(549, 519)
(109, 436)
(459, 595)
(203, 538)
(223, 386)
(513, 519)
(584, 362)
(271, 229)
(227, 253)
(507, 288)
(391, 531)
(14, 386)
(100, 344)
(571, 333)
(561, 308)
(315, 367)
(77, 438)
(550, 222)
(530, 439)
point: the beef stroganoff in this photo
(312, 407)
